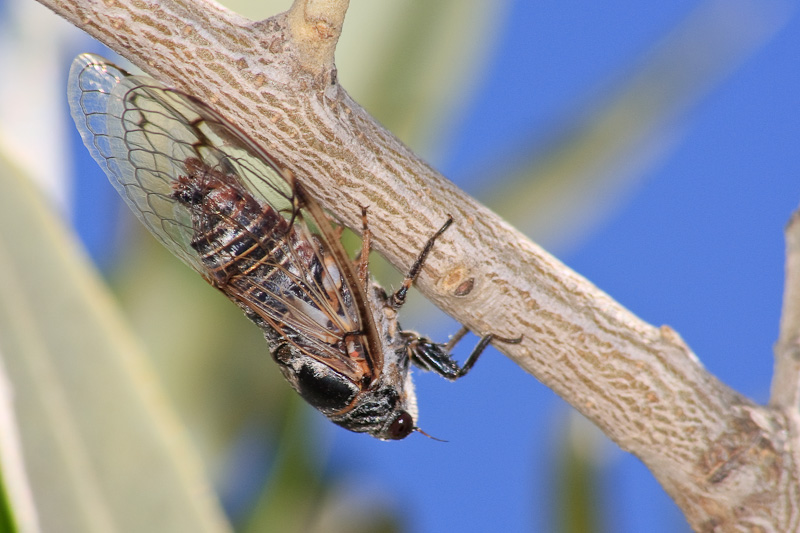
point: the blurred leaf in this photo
(7, 521)
(17, 510)
(290, 500)
(215, 364)
(32, 40)
(413, 64)
(102, 450)
(579, 507)
(302, 497)
(557, 191)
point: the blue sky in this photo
(697, 245)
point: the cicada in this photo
(229, 210)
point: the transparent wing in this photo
(143, 134)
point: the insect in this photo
(224, 206)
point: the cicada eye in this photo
(402, 426)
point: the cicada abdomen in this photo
(225, 207)
(283, 279)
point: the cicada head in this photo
(386, 409)
(382, 403)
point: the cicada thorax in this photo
(286, 282)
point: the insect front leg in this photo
(437, 358)
(397, 299)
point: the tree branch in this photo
(786, 380)
(315, 26)
(724, 460)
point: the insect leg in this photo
(437, 357)
(455, 339)
(397, 299)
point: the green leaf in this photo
(8, 520)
